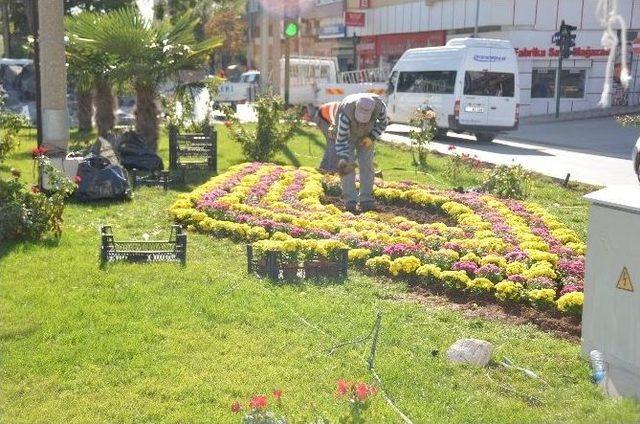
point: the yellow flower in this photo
(571, 302)
(508, 290)
(429, 272)
(541, 297)
(405, 265)
(379, 264)
(359, 255)
(480, 284)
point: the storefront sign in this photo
(354, 19)
(397, 44)
(365, 4)
(586, 53)
(332, 31)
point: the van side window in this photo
(439, 82)
(393, 79)
(494, 84)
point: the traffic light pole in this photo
(558, 80)
(287, 75)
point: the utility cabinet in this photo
(611, 311)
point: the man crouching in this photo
(362, 118)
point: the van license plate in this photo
(474, 109)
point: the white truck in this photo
(313, 81)
(470, 83)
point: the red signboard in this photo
(365, 4)
(397, 44)
(354, 19)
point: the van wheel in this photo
(485, 137)
(441, 133)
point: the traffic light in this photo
(291, 28)
(567, 39)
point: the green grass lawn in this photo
(161, 343)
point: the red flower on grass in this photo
(236, 407)
(343, 387)
(277, 394)
(228, 124)
(258, 402)
(77, 179)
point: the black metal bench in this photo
(172, 250)
(196, 151)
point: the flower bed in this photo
(514, 250)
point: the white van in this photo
(471, 83)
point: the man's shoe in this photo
(351, 207)
(368, 207)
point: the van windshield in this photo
(495, 84)
(440, 82)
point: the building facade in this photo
(384, 29)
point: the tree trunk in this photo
(147, 112)
(85, 110)
(105, 101)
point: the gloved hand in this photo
(366, 142)
(345, 167)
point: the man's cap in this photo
(364, 109)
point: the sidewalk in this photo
(592, 152)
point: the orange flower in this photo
(277, 394)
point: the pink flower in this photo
(362, 391)
(277, 394)
(258, 402)
(343, 387)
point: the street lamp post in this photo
(475, 28)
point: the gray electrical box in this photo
(611, 312)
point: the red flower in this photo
(258, 402)
(15, 173)
(362, 391)
(38, 151)
(35, 189)
(228, 124)
(277, 394)
(373, 390)
(343, 387)
(452, 147)
(77, 179)
(236, 407)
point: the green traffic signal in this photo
(291, 29)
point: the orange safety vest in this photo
(328, 112)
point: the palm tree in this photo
(147, 54)
(92, 72)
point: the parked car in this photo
(470, 83)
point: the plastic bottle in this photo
(598, 366)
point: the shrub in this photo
(28, 213)
(454, 279)
(425, 120)
(275, 128)
(379, 264)
(511, 182)
(571, 302)
(405, 265)
(480, 285)
(10, 125)
(509, 290)
(429, 273)
(541, 298)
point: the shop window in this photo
(495, 84)
(543, 82)
(440, 82)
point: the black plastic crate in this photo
(172, 250)
(195, 151)
(153, 179)
(273, 266)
